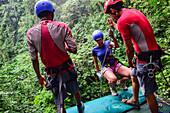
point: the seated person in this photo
(110, 66)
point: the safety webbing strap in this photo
(60, 106)
(145, 56)
(56, 70)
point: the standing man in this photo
(137, 31)
(52, 40)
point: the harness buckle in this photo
(48, 84)
(151, 68)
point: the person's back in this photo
(140, 30)
(49, 43)
(52, 40)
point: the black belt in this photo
(57, 70)
(65, 66)
(145, 56)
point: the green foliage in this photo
(163, 82)
(19, 87)
(44, 102)
(15, 22)
(16, 84)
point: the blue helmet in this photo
(97, 34)
(43, 5)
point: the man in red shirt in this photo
(52, 40)
(136, 30)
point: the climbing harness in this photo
(52, 83)
(151, 68)
(100, 75)
(106, 62)
(150, 56)
(60, 96)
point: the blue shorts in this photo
(148, 85)
(70, 86)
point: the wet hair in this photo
(116, 6)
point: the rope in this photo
(103, 64)
(102, 73)
(104, 57)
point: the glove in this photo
(99, 74)
(111, 34)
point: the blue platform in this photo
(109, 104)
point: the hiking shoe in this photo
(81, 108)
(113, 91)
(124, 87)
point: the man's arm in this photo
(128, 44)
(129, 52)
(70, 44)
(41, 79)
(70, 50)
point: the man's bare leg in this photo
(78, 98)
(152, 103)
(135, 85)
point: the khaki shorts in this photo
(148, 85)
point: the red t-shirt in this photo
(129, 16)
(51, 55)
(49, 39)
